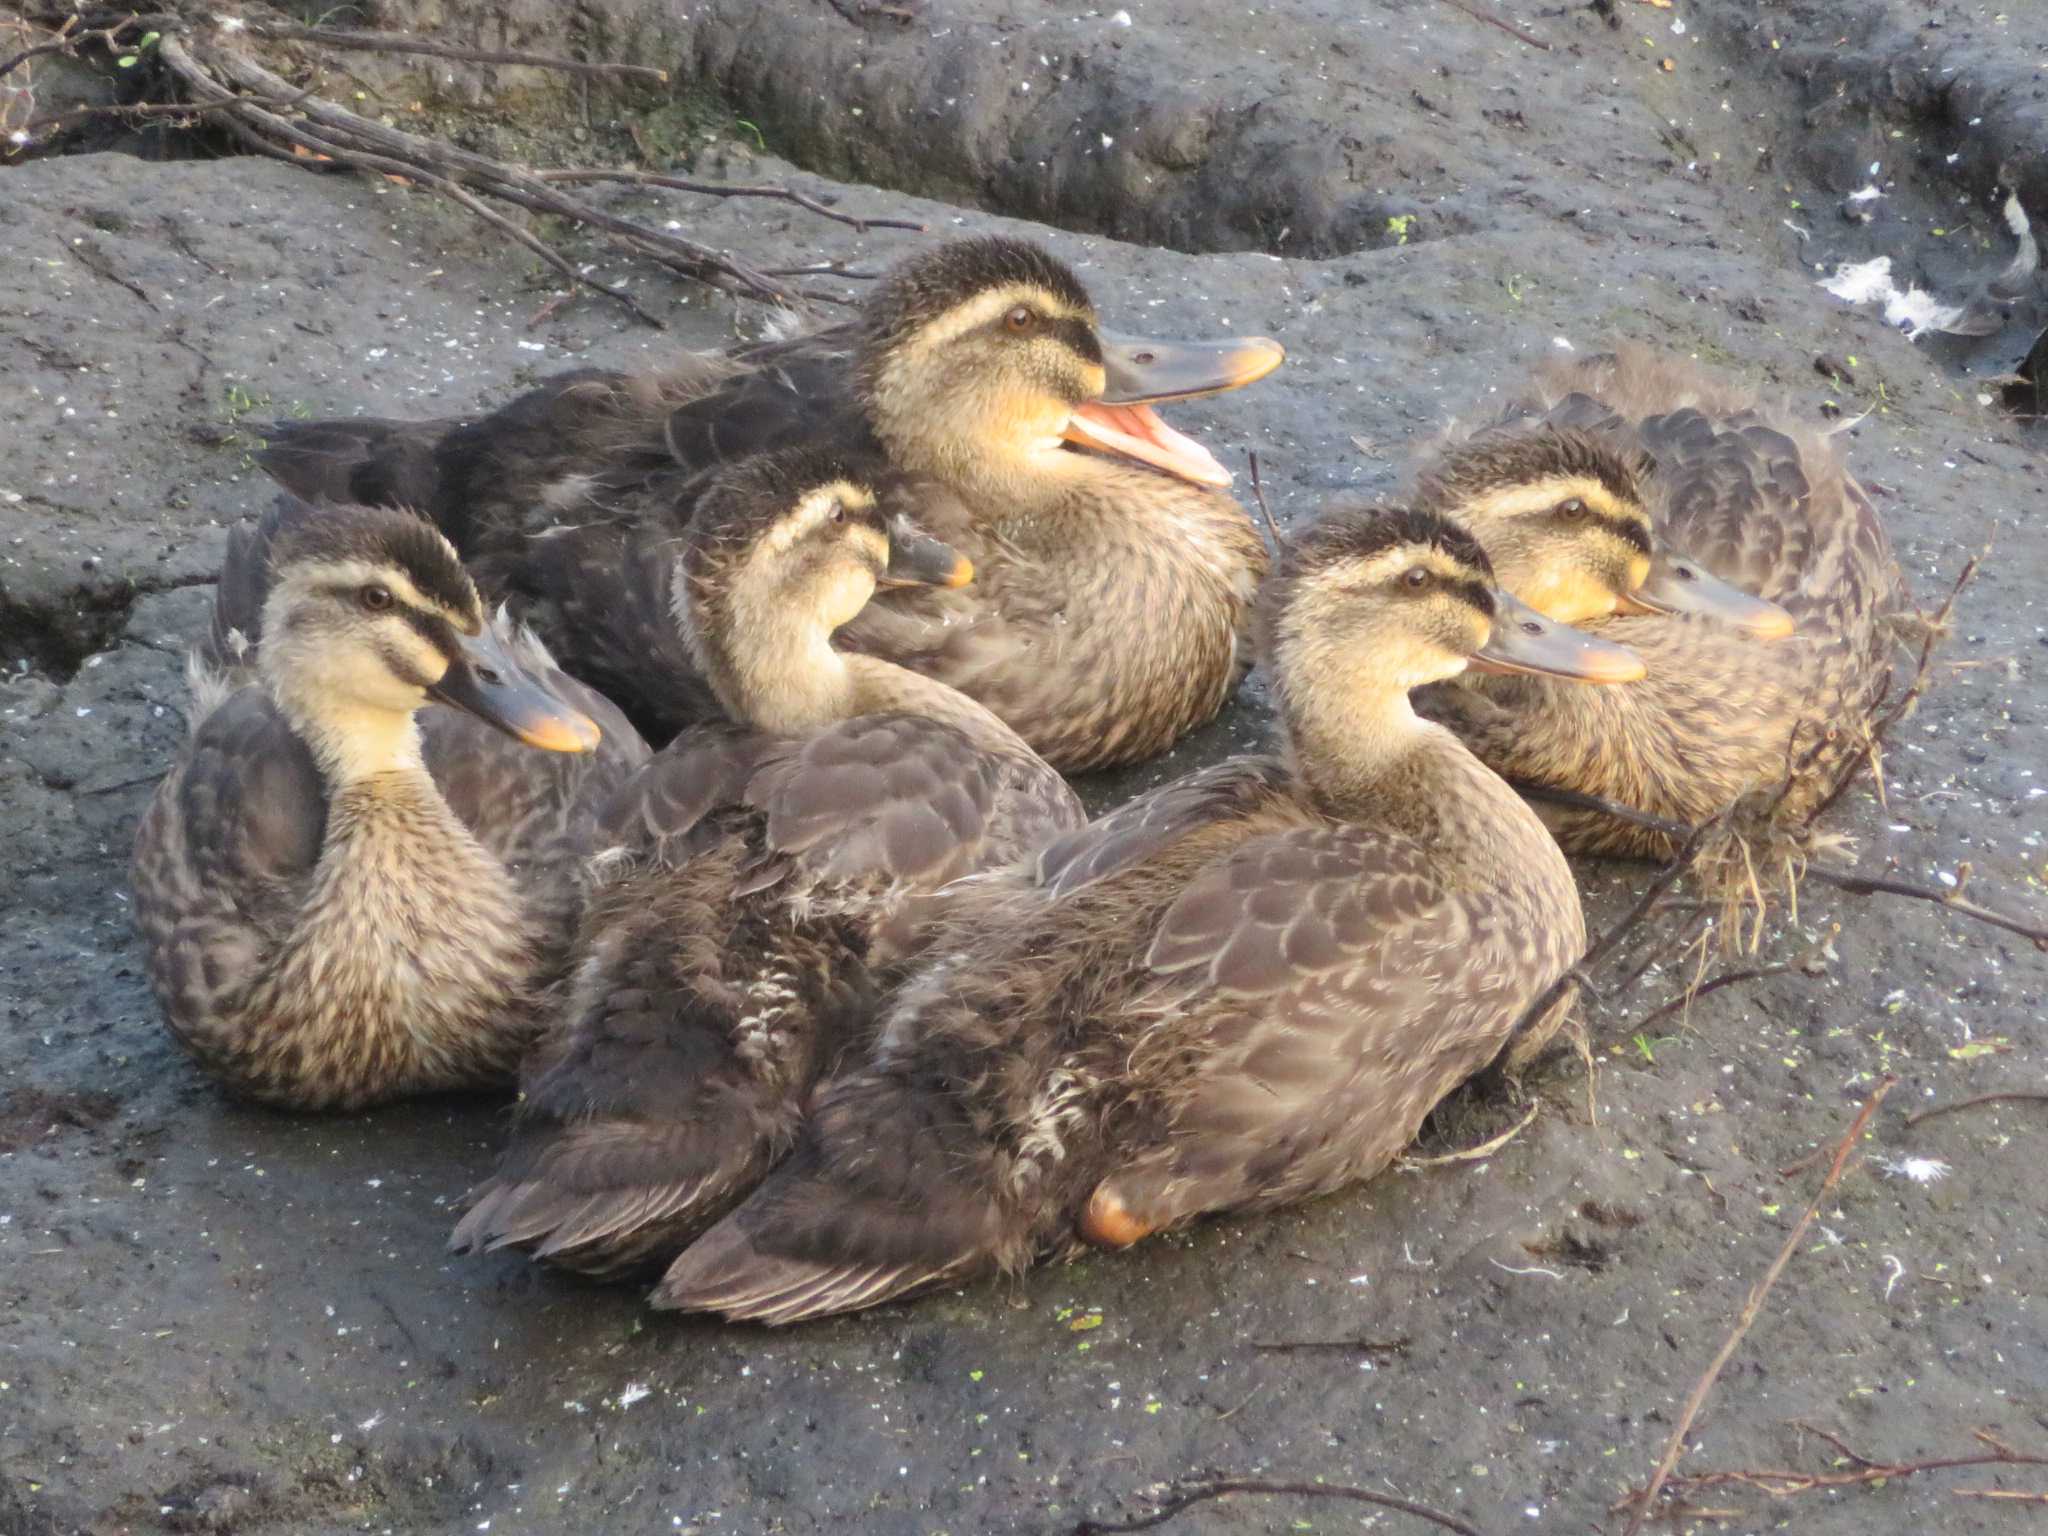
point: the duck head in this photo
(983, 362)
(781, 550)
(1564, 517)
(370, 615)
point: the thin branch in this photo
(2009, 1096)
(1691, 995)
(1222, 1488)
(1494, 21)
(1871, 885)
(1785, 1482)
(1259, 496)
(1345, 1346)
(1844, 880)
(66, 39)
(1670, 875)
(720, 189)
(1751, 1308)
(1485, 1149)
(405, 42)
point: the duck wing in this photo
(1299, 1008)
(368, 460)
(1139, 828)
(223, 856)
(728, 958)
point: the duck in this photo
(1765, 628)
(344, 897)
(762, 876)
(1243, 989)
(1110, 614)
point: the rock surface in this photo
(213, 1318)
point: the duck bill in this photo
(1677, 585)
(1524, 641)
(1136, 432)
(485, 680)
(1142, 372)
(1139, 374)
(916, 559)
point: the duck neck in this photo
(788, 676)
(1370, 759)
(353, 743)
(882, 687)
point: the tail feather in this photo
(610, 1195)
(881, 1200)
(364, 459)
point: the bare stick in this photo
(1784, 1482)
(1692, 995)
(2010, 1096)
(1485, 1149)
(1752, 1307)
(1871, 885)
(1224, 1487)
(1494, 21)
(403, 42)
(1845, 880)
(1346, 1346)
(1259, 496)
(720, 189)
(1669, 876)
(2000, 1493)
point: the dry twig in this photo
(2011, 1095)
(1202, 1493)
(720, 189)
(203, 59)
(1786, 1482)
(1494, 21)
(1748, 1315)
(405, 42)
(1485, 1149)
(1259, 496)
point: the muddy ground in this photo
(219, 1319)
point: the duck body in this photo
(1762, 502)
(761, 883)
(341, 904)
(1111, 605)
(1244, 989)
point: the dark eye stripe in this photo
(1626, 530)
(1473, 593)
(1079, 335)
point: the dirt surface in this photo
(218, 1319)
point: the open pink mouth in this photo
(1136, 432)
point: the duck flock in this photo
(742, 846)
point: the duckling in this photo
(342, 903)
(1243, 989)
(1744, 686)
(765, 874)
(1109, 616)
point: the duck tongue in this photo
(1136, 432)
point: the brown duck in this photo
(342, 903)
(1243, 989)
(1115, 575)
(1742, 684)
(763, 876)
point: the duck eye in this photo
(375, 597)
(838, 511)
(1020, 320)
(1571, 511)
(1417, 578)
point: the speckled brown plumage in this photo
(1762, 501)
(760, 883)
(325, 945)
(1246, 988)
(1109, 613)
